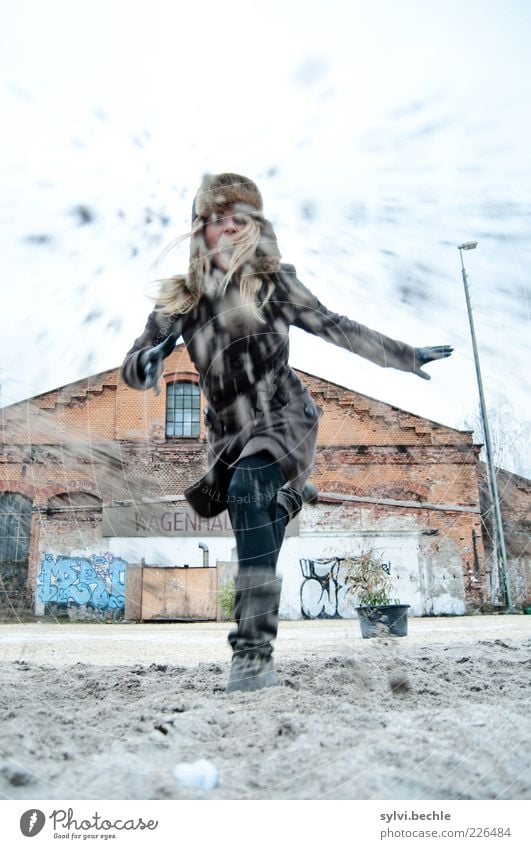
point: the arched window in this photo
(182, 409)
(66, 503)
(15, 528)
(74, 501)
(15, 521)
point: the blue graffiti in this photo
(98, 580)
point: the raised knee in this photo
(243, 489)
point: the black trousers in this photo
(258, 523)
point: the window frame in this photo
(185, 416)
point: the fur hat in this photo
(218, 191)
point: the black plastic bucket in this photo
(382, 620)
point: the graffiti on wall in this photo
(97, 580)
(322, 594)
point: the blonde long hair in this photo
(255, 254)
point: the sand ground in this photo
(107, 711)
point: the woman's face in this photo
(219, 231)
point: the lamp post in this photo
(499, 548)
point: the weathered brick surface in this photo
(420, 471)
(146, 420)
(515, 506)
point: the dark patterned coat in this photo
(255, 400)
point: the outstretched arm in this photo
(427, 355)
(143, 364)
(308, 313)
(152, 362)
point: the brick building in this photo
(91, 483)
(515, 507)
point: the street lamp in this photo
(499, 548)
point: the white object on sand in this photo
(201, 774)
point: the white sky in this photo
(402, 128)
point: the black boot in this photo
(256, 613)
(291, 500)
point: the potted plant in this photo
(368, 577)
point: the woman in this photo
(234, 309)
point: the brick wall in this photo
(515, 506)
(379, 466)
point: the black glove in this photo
(151, 362)
(426, 355)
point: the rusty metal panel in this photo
(153, 605)
(179, 594)
(176, 603)
(133, 592)
(201, 593)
